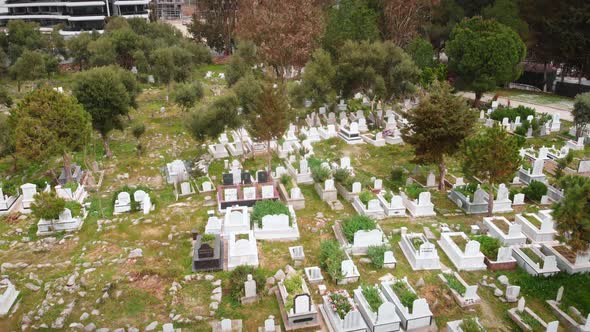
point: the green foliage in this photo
(512, 113)
(78, 48)
(507, 13)
(454, 283)
(531, 321)
(212, 121)
(561, 164)
(488, 246)
(437, 72)
(248, 90)
(581, 112)
(186, 95)
(535, 190)
(484, 54)
(285, 179)
(28, 67)
(371, 294)
(388, 195)
(438, 125)
(134, 205)
(47, 206)
(341, 304)
(319, 173)
(421, 52)
(397, 176)
(137, 130)
(5, 98)
(74, 207)
(171, 64)
(207, 238)
(376, 254)
(241, 63)
(350, 20)
(413, 190)
(365, 196)
(341, 175)
(239, 275)
(467, 190)
(318, 80)
(470, 325)
(571, 217)
(49, 123)
(294, 286)
(405, 295)
(268, 207)
(356, 223)
(491, 155)
(331, 257)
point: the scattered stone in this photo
(152, 326)
(84, 316)
(420, 282)
(503, 280)
(32, 287)
(135, 253)
(280, 275)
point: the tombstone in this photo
(303, 168)
(261, 176)
(530, 118)
(518, 199)
(269, 324)
(138, 195)
(246, 178)
(329, 185)
(559, 294)
(65, 215)
(356, 187)
(388, 259)
(482, 115)
(503, 193)
(123, 198)
(354, 128)
(295, 193)
(378, 184)
(529, 132)
(207, 186)
(347, 268)
(517, 120)
(459, 181)
(147, 204)
(151, 79)
(431, 180)
(345, 162)
(538, 167)
(521, 304)
(230, 195)
(268, 192)
(424, 198)
(250, 287)
(505, 121)
(236, 176)
(373, 205)
(302, 303)
(226, 325)
(512, 293)
(228, 179)
(249, 193)
(322, 110)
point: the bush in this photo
(405, 295)
(413, 190)
(268, 207)
(239, 275)
(376, 253)
(455, 284)
(75, 208)
(341, 175)
(356, 223)
(285, 179)
(397, 175)
(535, 190)
(365, 196)
(331, 257)
(320, 174)
(47, 205)
(371, 294)
(207, 238)
(512, 113)
(340, 304)
(470, 325)
(489, 246)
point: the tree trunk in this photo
(67, 166)
(269, 155)
(105, 144)
(478, 96)
(545, 76)
(14, 162)
(442, 173)
(491, 200)
(18, 85)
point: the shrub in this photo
(512, 113)
(331, 257)
(356, 223)
(535, 190)
(376, 253)
(47, 206)
(207, 238)
(413, 190)
(74, 207)
(294, 286)
(268, 207)
(365, 196)
(405, 295)
(239, 275)
(388, 196)
(470, 325)
(340, 304)
(320, 174)
(489, 246)
(341, 175)
(397, 175)
(285, 179)
(455, 284)
(371, 294)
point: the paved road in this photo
(564, 113)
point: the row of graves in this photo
(521, 120)
(230, 241)
(242, 188)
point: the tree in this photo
(421, 51)
(186, 95)
(350, 20)
(241, 62)
(21, 36)
(7, 143)
(50, 123)
(47, 206)
(171, 64)
(5, 98)
(492, 156)
(247, 90)
(102, 52)
(214, 22)
(138, 129)
(437, 126)
(105, 97)
(507, 13)
(484, 54)
(572, 214)
(270, 119)
(445, 16)
(299, 23)
(30, 66)
(581, 113)
(403, 18)
(78, 47)
(318, 79)
(210, 122)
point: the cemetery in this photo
(244, 182)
